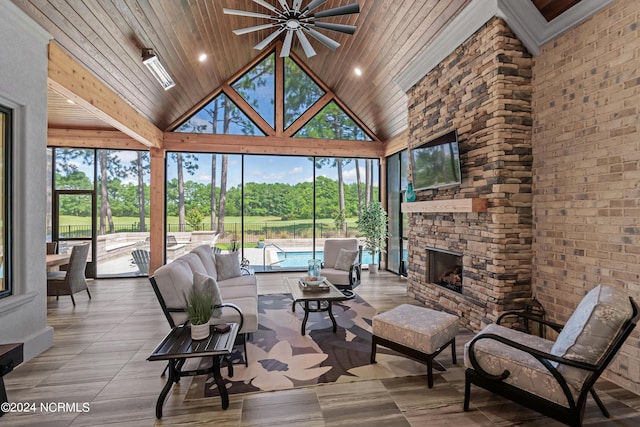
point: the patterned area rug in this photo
(281, 358)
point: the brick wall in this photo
(483, 89)
(586, 150)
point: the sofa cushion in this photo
(249, 308)
(174, 280)
(591, 329)
(526, 372)
(208, 282)
(208, 259)
(345, 259)
(228, 265)
(194, 262)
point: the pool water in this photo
(301, 258)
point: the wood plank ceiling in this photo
(107, 37)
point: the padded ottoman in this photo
(418, 332)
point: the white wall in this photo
(23, 87)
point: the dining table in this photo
(54, 261)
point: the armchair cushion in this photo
(591, 329)
(526, 371)
(208, 282)
(228, 265)
(345, 259)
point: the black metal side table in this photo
(178, 346)
(11, 355)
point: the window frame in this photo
(7, 139)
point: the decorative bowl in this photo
(312, 281)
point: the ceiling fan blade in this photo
(264, 43)
(328, 42)
(286, 46)
(284, 5)
(296, 5)
(306, 46)
(347, 29)
(314, 4)
(267, 6)
(247, 13)
(252, 29)
(337, 11)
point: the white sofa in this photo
(172, 281)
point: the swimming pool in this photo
(301, 258)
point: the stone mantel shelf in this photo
(474, 204)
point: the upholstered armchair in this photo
(342, 264)
(553, 378)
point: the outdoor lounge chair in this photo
(553, 378)
(141, 260)
(342, 264)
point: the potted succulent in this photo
(199, 308)
(373, 226)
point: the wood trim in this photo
(475, 204)
(309, 114)
(193, 109)
(73, 81)
(157, 208)
(243, 144)
(247, 109)
(81, 138)
(397, 143)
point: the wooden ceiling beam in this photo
(81, 138)
(272, 145)
(71, 80)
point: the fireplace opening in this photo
(444, 268)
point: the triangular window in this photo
(300, 92)
(258, 88)
(220, 116)
(332, 123)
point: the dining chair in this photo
(52, 248)
(72, 280)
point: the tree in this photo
(138, 167)
(188, 163)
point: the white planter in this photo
(200, 332)
(373, 268)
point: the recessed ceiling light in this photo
(202, 57)
(358, 71)
(70, 101)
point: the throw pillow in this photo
(345, 259)
(208, 282)
(228, 265)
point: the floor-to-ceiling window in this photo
(102, 197)
(398, 227)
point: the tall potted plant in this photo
(199, 308)
(373, 226)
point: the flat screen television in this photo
(436, 163)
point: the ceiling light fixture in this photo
(150, 59)
(358, 71)
(202, 57)
(299, 20)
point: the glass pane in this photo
(258, 88)
(220, 116)
(190, 218)
(332, 123)
(75, 216)
(301, 92)
(122, 210)
(278, 212)
(393, 206)
(74, 169)
(5, 127)
(343, 187)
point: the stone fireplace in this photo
(482, 90)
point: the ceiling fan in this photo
(298, 20)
